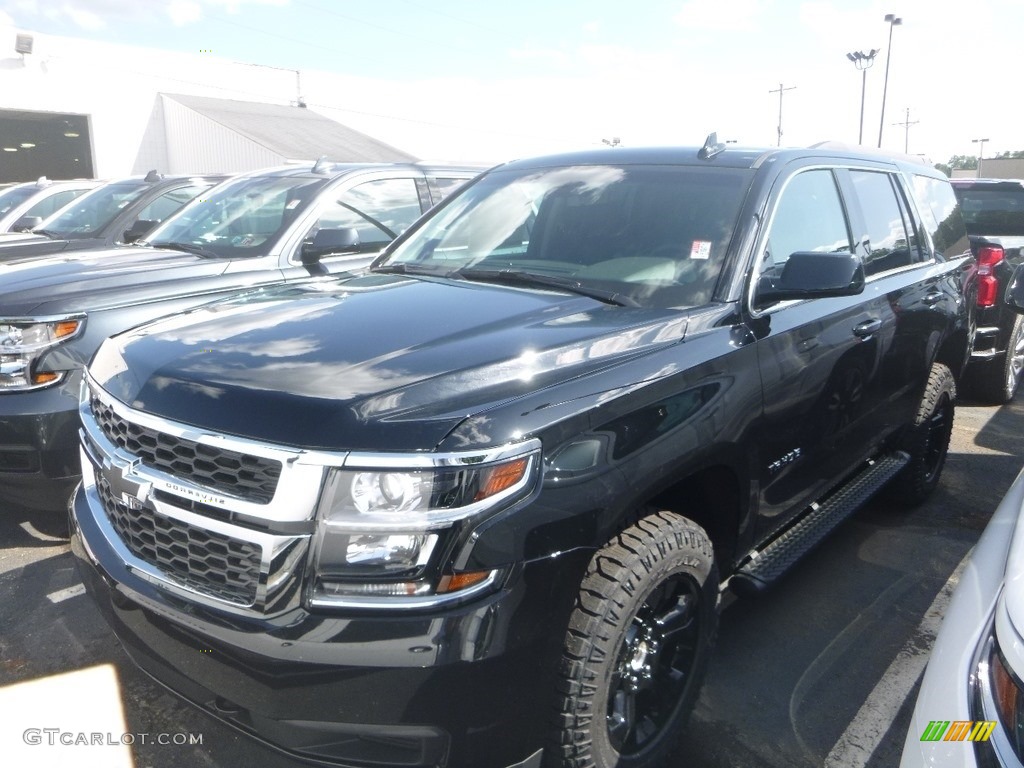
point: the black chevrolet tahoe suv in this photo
(993, 210)
(267, 227)
(475, 506)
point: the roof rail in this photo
(842, 146)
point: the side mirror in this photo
(26, 223)
(138, 229)
(1015, 290)
(813, 275)
(327, 241)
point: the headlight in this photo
(24, 342)
(384, 519)
(1008, 699)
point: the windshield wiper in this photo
(198, 250)
(519, 277)
(46, 233)
(411, 269)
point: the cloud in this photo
(85, 19)
(95, 14)
(184, 12)
(719, 15)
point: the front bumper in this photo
(39, 460)
(471, 686)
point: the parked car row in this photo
(378, 450)
(262, 228)
(24, 206)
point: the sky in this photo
(469, 79)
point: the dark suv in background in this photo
(271, 226)
(993, 210)
(473, 507)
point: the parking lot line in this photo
(863, 735)
(35, 533)
(63, 594)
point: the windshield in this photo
(647, 236)
(93, 211)
(15, 196)
(240, 218)
(993, 211)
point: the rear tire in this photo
(637, 646)
(996, 381)
(927, 441)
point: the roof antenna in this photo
(321, 165)
(153, 176)
(712, 146)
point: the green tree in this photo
(1011, 155)
(958, 163)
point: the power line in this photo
(450, 16)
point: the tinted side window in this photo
(171, 201)
(886, 242)
(941, 213)
(808, 217)
(440, 188)
(378, 210)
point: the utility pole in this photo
(906, 131)
(780, 90)
(981, 154)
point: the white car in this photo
(970, 710)
(23, 206)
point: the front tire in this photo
(927, 440)
(637, 646)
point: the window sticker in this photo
(701, 249)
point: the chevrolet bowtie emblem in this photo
(123, 485)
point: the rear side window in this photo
(886, 242)
(941, 213)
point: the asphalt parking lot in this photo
(822, 670)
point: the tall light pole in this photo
(863, 62)
(981, 154)
(780, 90)
(893, 21)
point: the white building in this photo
(75, 108)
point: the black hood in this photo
(376, 362)
(93, 279)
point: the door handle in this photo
(867, 328)
(931, 299)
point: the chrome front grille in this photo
(214, 518)
(248, 477)
(198, 559)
